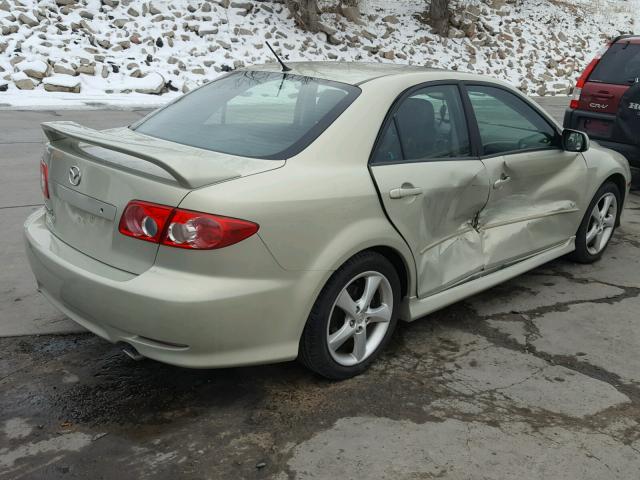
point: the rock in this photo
(105, 71)
(28, 19)
(8, 29)
(4, 87)
(16, 60)
(242, 31)
(389, 55)
(390, 19)
(120, 22)
(86, 14)
(65, 2)
(151, 84)
(3, 46)
(224, 44)
(153, 10)
(468, 27)
(206, 7)
(562, 37)
(36, 69)
(136, 73)
(368, 35)
(456, 33)
(246, 6)
(135, 38)
(133, 12)
(159, 42)
(62, 83)
(352, 14)
(87, 69)
(4, 5)
(23, 82)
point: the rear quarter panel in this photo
(322, 207)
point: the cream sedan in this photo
(274, 215)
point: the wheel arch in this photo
(620, 182)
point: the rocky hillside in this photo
(99, 48)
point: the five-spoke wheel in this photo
(353, 318)
(598, 224)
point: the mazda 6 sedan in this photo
(272, 215)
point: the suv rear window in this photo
(253, 114)
(620, 65)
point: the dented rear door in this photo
(438, 221)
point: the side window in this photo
(507, 123)
(429, 124)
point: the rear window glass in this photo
(619, 65)
(253, 114)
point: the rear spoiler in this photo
(191, 167)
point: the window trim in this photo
(472, 116)
(390, 116)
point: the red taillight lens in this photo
(182, 228)
(144, 220)
(203, 231)
(44, 179)
(575, 101)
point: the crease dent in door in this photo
(457, 243)
(537, 209)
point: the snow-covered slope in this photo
(146, 52)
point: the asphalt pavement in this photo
(538, 378)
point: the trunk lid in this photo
(93, 176)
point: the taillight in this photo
(44, 179)
(182, 228)
(144, 220)
(577, 91)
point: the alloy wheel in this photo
(601, 223)
(359, 318)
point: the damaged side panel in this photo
(536, 202)
(437, 220)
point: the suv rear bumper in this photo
(174, 317)
(630, 151)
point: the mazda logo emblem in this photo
(74, 176)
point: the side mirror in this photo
(574, 141)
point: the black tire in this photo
(582, 254)
(314, 350)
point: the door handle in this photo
(405, 192)
(501, 181)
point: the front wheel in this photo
(598, 224)
(353, 317)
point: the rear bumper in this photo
(630, 151)
(174, 317)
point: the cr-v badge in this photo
(74, 176)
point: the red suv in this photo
(606, 100)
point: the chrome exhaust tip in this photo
(131, 352)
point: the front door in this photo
(536, 186)
(431, 186)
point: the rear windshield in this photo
(620, 65)
(253, 114)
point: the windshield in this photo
(620, 65)
(253, 114)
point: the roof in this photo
(345, 72)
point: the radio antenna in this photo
(284, 67)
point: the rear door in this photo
(618, 68)
(536, 186)
(431, 184)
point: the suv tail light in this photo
(175, 227)
(44, 179)
(577, 91)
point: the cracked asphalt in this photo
(537, 378)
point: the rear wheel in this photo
(353, 317)
(598, 224)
